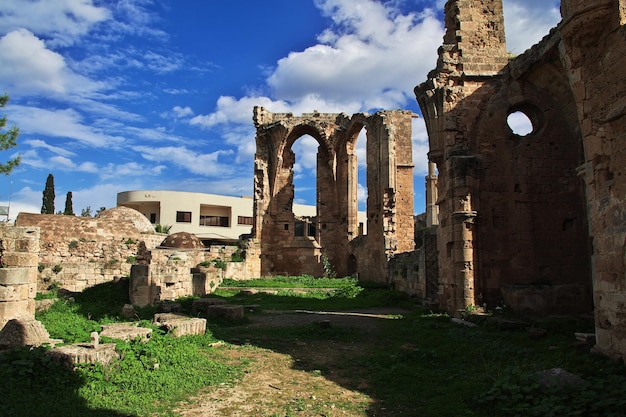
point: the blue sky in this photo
(123, 95)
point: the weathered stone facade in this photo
(539, 216)
(299, 246)
(80, 252)
(165, 273)
(19, 249)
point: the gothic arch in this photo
(283, 251)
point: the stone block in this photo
(16, 309)
(20, 259)
(23, 332)
(179, 325)
(14, 292)
(201, 305)
(71, 355)
(126, 332)
(15, 276)
(231, 312)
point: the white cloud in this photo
(100, 195)
(373, 56)
(420, 147)
(526, 22)
(200, 164)
(305, 149)
(129, 169)
(232, 110)
(66, 123)
(63, 21)
(37, 143)
(24, 200)
(178, 112)
(29, 67)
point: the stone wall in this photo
(19, 248)
(165, 274)
(79, 252)
(291, 246)
(533, 218)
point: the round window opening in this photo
(520, 123)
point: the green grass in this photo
(301, 281)
(420, 364)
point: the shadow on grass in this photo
(33, 385)
(423, 364)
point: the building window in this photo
(183, 217)
(304, 228)
(244, 220)
(298, 229)
(218, 221)
(152, 218)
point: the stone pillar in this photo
(432, 209)
(463, 224)
(18, 275)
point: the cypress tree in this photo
(69, 210)
(47, 206)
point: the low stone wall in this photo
(168, 274)
(19, 248)
(406, 272)
(165, 274)
(80, 252)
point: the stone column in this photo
(18, 275)
(432, 209)
(463, 224)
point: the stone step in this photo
(180, 325)
(71, 355)
(229, 311)
(202, 304)
(126, 332)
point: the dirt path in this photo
(304, 378)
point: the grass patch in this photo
(301, 281)
(417, 364)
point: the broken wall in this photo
(522, 215)
(19, 249)
(292, 246)
(80, 252)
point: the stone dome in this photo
(128, 214)
(182, 240)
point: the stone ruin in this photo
(75, 253)
(292, 246)
(532, 221)
(80, 252)
(536, 221)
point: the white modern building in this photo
(211, 217)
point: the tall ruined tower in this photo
(472, 56)
(512, 216)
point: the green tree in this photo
(86, 212)
(69, 210)
(100, 210)
(47, 205)
(8, 139)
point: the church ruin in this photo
(294, 246)
(534, 219)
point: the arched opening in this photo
(305, 170)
